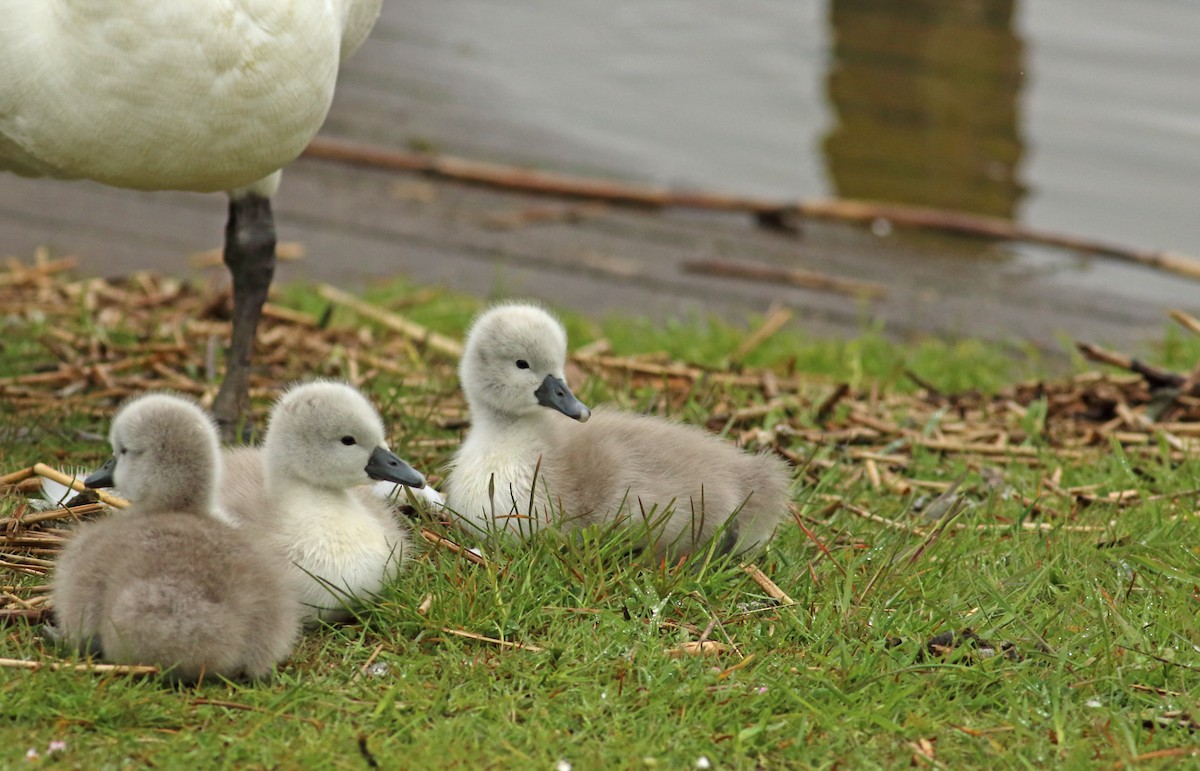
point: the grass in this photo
(1104, 624)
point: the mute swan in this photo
(681, 483)
(306, 493)
(197, 95)
(166, 583)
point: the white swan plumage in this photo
(195, 95)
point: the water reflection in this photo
(926, 95)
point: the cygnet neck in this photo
(289, 491)
(199, 502)
(282, 482)
(195, 494)
(492, 421)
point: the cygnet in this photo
(679, 483)
(305, 494)
(166, 583)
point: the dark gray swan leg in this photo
(250, 257)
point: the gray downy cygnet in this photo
(166, 583)
(679, 482)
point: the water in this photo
(1113, 120)
(1076, 115)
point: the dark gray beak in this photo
(103, 476)
(384, 465)
(554, 393)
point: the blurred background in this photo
(1079, 116)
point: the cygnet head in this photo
(165, 452)
(329, 435)
(512, 365)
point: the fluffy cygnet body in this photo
(305, 494)
(679, 482)
(167, 583)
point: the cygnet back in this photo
(680, 482)
(166, 583)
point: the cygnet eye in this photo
(348, 440)
(522, 364)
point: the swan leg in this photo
(250, 257)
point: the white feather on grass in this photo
(55, 494)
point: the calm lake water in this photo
(1077, 115)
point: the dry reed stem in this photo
(1186, 320)
(991, 450)
(251, 708)
(367, 664)
(72, 512)
(686, 372)
(1172, 752)
(698, 648)
(1155, 376)
(17, 476)
(31, 615)
(410, 329)
(767, 212)
(493, 640)
(445, 543)
(23, 603)
(858, 511)
(776, 318)
(24, 559)
(19, 274)
(76, 484)
(22, 569)
(773, 274)
(770, 587)
(114, 669)
(1038, 527)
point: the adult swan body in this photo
(197, 95)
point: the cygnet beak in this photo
(103, 476)
(553, 392)
(383, 464)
